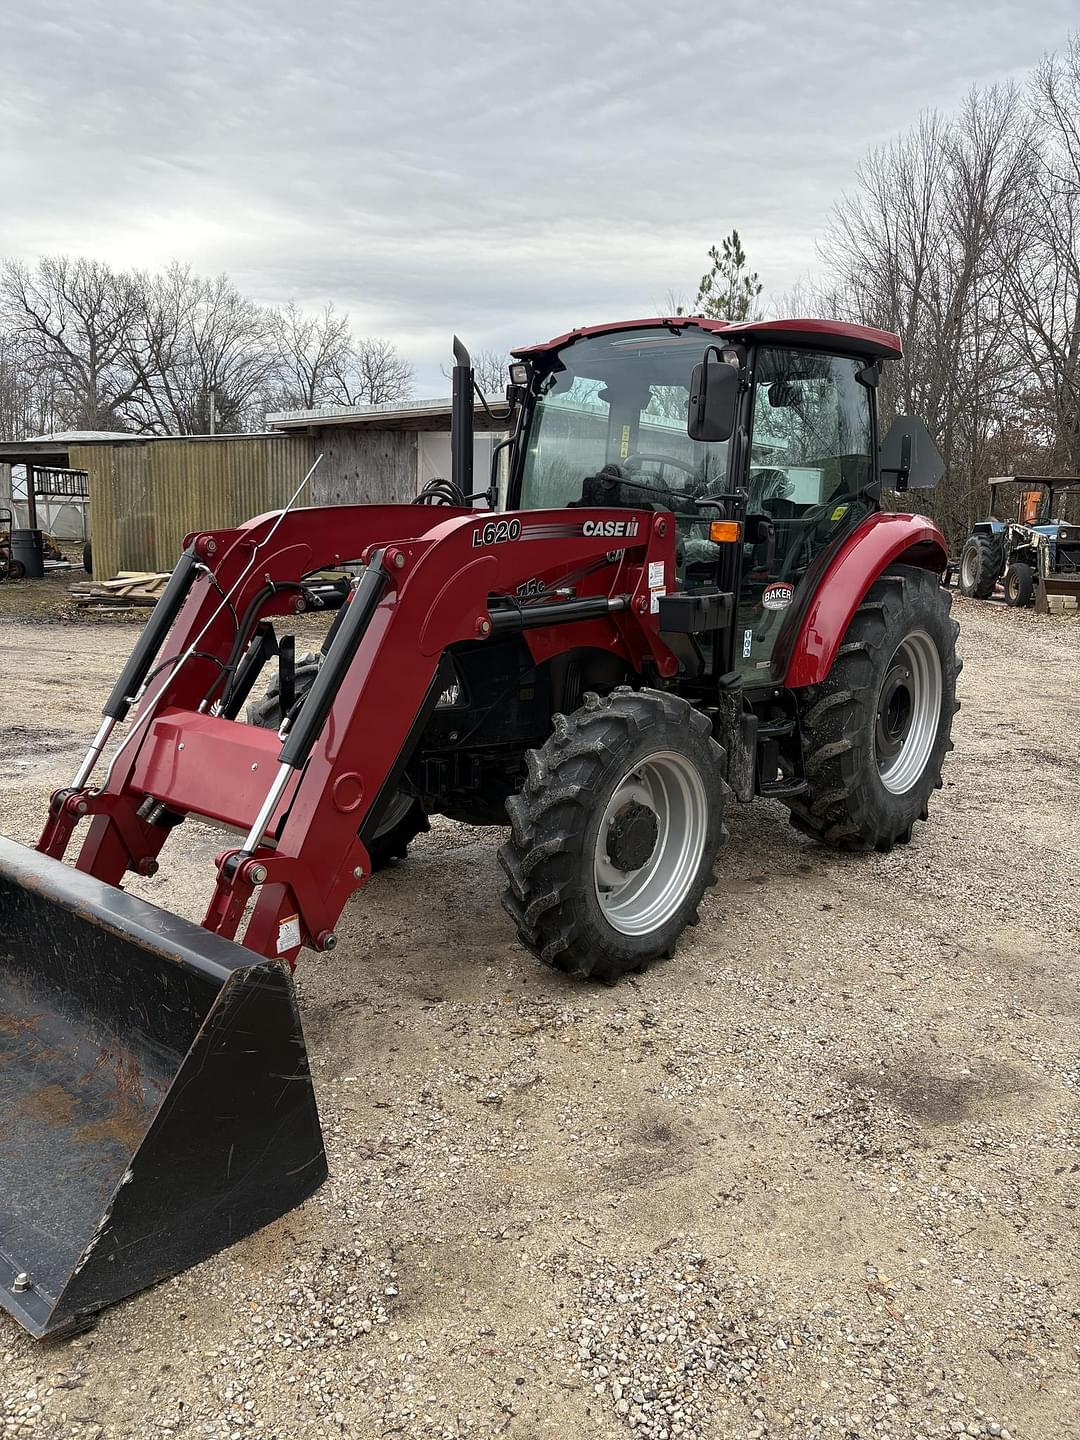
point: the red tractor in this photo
(678, 588)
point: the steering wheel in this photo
(641, 457)
(803, 525)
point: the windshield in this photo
(621, 400)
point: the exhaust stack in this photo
(461, 421)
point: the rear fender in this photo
(807, 646)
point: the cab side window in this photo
(812, 437)
(811, 461)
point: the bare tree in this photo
(1042, 271)
(28, 398)
(202, 355)
(171, 353)
(371, 372)
(917, 248)
(490, 371)
(673, 303)
(158, 351)
(312, 351)
(231, 358)
(72, 315)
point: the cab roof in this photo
(1050, 480)
(854, 339)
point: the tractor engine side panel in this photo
(471, 755)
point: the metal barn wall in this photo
(363, 466)
(146, 496)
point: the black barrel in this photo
(28, 548)
(156, 1103)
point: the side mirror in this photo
(714, 399)
(910, 457)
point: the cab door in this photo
(811, 465)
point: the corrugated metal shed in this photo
(148, 492)
(145, 496)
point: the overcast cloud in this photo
(507, 170)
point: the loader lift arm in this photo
(430, 580)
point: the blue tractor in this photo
(1028, 541)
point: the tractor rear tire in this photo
(1019, 585)
(980, 565)
(405, 818)
(614, 833)
(877, 728)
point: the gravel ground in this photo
(816, 1176)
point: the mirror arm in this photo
(903, 470)
(719, 502)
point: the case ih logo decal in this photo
(611, 529)
(495, 532)
(778, 596)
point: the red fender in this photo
(875, 544)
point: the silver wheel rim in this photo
(968, 565)
(638, 902)
(908, 712)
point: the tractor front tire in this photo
(1019, 585)
(877, 729)
(980, 565)
(614, 833)
(403, 820)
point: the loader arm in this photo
(431, 579)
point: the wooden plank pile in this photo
(130, 590)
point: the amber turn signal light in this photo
(721, 532)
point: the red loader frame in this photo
(431, 579)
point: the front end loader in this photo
(677, 589)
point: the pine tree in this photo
(728, 290)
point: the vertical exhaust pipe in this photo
(461, 421)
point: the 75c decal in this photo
(495, 532)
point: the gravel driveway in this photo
(816, 1176)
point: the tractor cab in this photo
(1043, 503)
(783, 467)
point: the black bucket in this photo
(155, 1098)
(28, 547)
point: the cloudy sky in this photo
(508, 169)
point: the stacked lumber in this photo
(129, 590)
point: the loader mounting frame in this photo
(430, 579)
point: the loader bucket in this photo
(155, 1098)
